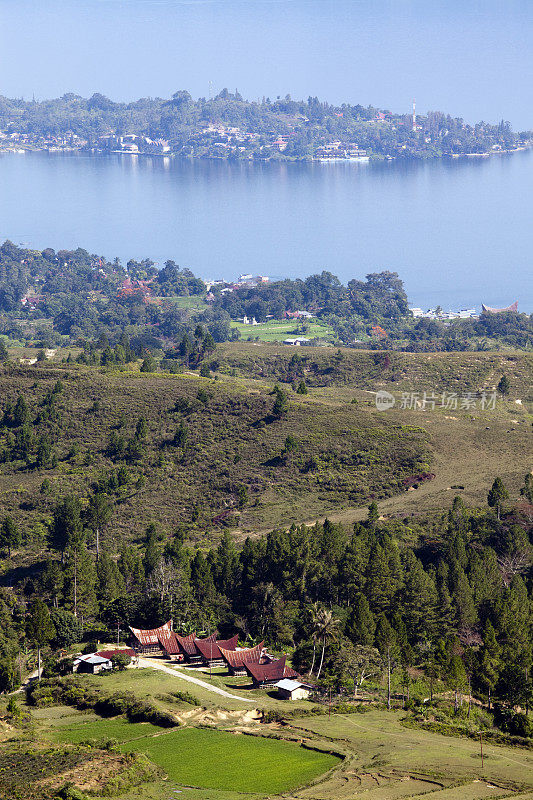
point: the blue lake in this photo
(459, 232)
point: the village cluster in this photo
(221, 141)
(209, 652)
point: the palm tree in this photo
(329, 628)
(314, 622)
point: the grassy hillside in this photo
(233, 469)
(233, 445)
(322, 366)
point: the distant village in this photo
(213, 141)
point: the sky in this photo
(472, 58)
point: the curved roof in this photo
(210, 649)
(169, 643)
(239, 658)
(150, 636)
(489, 310)
(275, 671)
(186, 644)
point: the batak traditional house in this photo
(147, 641)
(168, 642)
(238, 659)
(210, 652)
(188, 649)
(268, 674)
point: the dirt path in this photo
(27, 681)
(147, 662)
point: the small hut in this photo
(293, 690)
(92, 663)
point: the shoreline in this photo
(285, 160)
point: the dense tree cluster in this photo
(86, 300)
(381, 296)
(90, 300)
(307, 124)
(449, 594)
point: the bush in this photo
(512, 722)
(187, 697)
(69, 792)
(120, 661)
(72, 691)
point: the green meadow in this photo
(276, 331)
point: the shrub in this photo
(512, 722)
(72, 691)
(120, 661)
(186, 697)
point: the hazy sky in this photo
(470, 58)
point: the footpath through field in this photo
(148, 662)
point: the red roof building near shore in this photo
(150, 637)
(266, 674)
(237, 659)
(210, 650)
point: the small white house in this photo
(293, 690)
(296, 341)
(91, 663)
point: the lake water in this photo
(459, 232)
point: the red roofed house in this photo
(169, 644)
(268, 674)
(210, 650)
(238, 659)
(121, 651)
(187, 647)
(147, 641)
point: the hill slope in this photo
(212, 454)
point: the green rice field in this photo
(199, 757)
(217, 760)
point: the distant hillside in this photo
(203, 454)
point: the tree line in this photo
(448, 594)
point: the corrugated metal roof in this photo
(288, 685)
(123, 651)
(91, 658)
